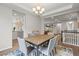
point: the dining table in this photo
(38, 40)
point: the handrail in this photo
(70, 37)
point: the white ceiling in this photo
(49, 7)
(52, 10)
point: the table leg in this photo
(37, 52)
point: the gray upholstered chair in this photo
(48, 51)
(23, 47)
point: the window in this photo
(70, 25)
(59, 27)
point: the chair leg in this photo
(55, 50)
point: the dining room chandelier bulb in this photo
(38, 7)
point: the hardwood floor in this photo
(14, 46)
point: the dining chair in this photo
(48, 51)
(31, 34)
(23, 47)
(56, 43)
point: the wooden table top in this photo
(39, 39)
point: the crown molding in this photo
(58, 10)
(62, 13)
(46, 14)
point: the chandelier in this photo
(38, 10)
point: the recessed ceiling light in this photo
(14, 14)
(70, 22)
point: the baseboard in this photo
(5, 48)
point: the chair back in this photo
(56, 39)
(36, 32)
(31, 34)
(22, 45)
(52, 44)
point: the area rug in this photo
(65, 52)
(16, 52)
(62, 52)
